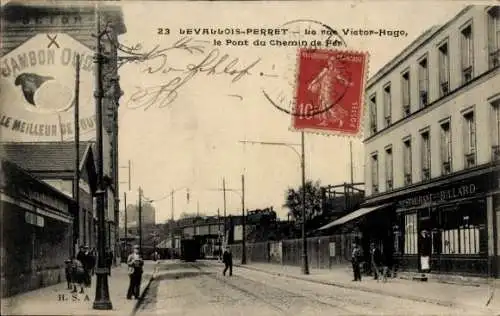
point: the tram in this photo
(190, 249)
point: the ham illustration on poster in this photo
(37, 83)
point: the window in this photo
(411, 235)
(373, 113)
(387, 105)
(375, 173)
(426, 155)
(463, 231)
(495, 124)
(405, 92)
(446, 152)
(407, 161)
(423, 82)
(389, 168)
(469, 139)
(444, 70)
(467, 53)
(494, 37)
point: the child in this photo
(67, 270)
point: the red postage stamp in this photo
(329, 94)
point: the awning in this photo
(357, 213)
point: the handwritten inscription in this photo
(212, 62)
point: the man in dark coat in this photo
(227, 259)
(356, 261)
(135, 268)
(376, 260)
(87, 260)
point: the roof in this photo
(46, 156)
(412, 48)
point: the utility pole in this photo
(126, 229)
(244, 250)
(172, 219)
(129, 175)
(305, 263)
(102, 300)
(218, 232)
(76, 187)
(140, 222)
(224, 193)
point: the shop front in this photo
(448, 223)
(36, 231)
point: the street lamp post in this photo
(102, 300)
(301, 155)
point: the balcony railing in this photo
(495, 152)
(446, 167)
(445, 88)
(467, 74)
(408, 178)
(494, 59)
(388, 120)
(406, 110)
(389, 184)
(470, 159)
(426, 174)
(423, 98)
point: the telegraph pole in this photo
(140, 221)
(244, 250)
(172, 219)
(102, 300)
(224, 193)
(125, 202)
(76, 186)
(305, 263)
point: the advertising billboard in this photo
(37, 84)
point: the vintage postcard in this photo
(250, 157)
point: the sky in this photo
(194, 140)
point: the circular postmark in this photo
(310, 36)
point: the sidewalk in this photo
(453, 295)
(57, 299)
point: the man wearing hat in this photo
(85, 257)
(227, 259)
(135, 264)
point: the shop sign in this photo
(34, 219)
(37, 81)
(44, 198)
(443, 195)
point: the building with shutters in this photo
(432, 147)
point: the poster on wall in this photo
(37, 84)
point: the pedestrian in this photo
(88, 262)
(93, 255)
(135, 269)
(375, 260)
(425, 251)
(356, 261)
(68, 271)
(78, 275)
(227, 259)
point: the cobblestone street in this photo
(201, 289)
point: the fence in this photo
(323, 252)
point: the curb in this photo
(145, 290)
(368, 290)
